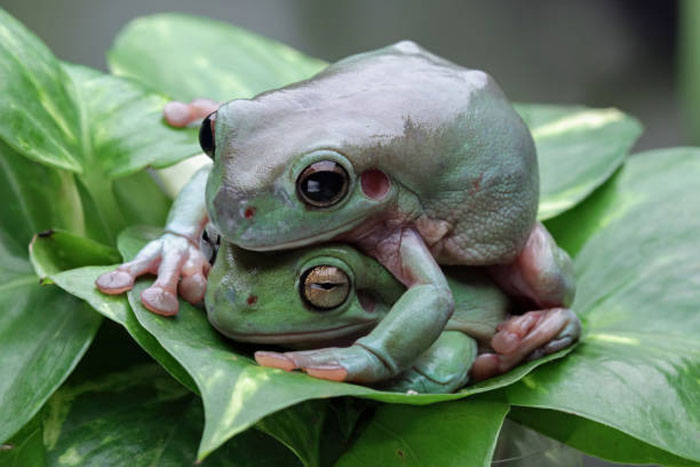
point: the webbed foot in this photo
(180, 266)
(527, 337)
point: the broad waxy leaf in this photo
(578, 148)
(125, 125)
(81, 283)
(187, 57)
(121, 409)
(593, 438)
(637, 369)
(456, 434)
(235, 390)
(78, 119)
(40, 119)
(141, 416)
(53, 251)
(43, 330)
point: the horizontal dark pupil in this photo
(324, 285)
(323, 186)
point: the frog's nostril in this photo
(249, 213)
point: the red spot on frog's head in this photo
(252, 300)
(375, 183)
(249, 213)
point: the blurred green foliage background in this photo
(623, 53)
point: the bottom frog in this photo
(330, 295)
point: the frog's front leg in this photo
(173, 256)
(443, 368)
(542, 273)
(412, 325)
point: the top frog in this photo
(415, 160)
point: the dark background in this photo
(621, 53)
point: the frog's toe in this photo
(485, 366)
(331, 373)
(115, 282)
(530, 336)
(160, 301)
(274, 360)
(177, 114)
(192, 288)
(566, 337)
(512, 332)
(354, 363)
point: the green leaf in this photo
(43, 334)
(578, 148)
(53, 251)
(236, 391)
(26, 447)
(35, 198)
(40, 119)
(594, 438)
(78, 119)
(637, 369)
(299, 428)
(123, 129)
(187, 57)
(81, 283)
(140, 416)
(43, 330)
(457, 434)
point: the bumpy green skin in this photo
(452, 144)
(463, 174)
(256, 297)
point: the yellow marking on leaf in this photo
(588, 119)
(70, 457)
(615, 339)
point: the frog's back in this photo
(462, 149)
(446, 134)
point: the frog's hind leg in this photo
(543, 274)
(443, 368)
(179, 114)
(526, 337)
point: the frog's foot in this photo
(179, 114)
(528, 336)
(172, 257)
(354, 363)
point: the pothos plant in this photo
(75, 144)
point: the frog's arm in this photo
(172, 256)
(412, 325)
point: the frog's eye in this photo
(325, 287)
(323, 184)
(206, 135)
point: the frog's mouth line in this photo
(299, 337)
(302, 242)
